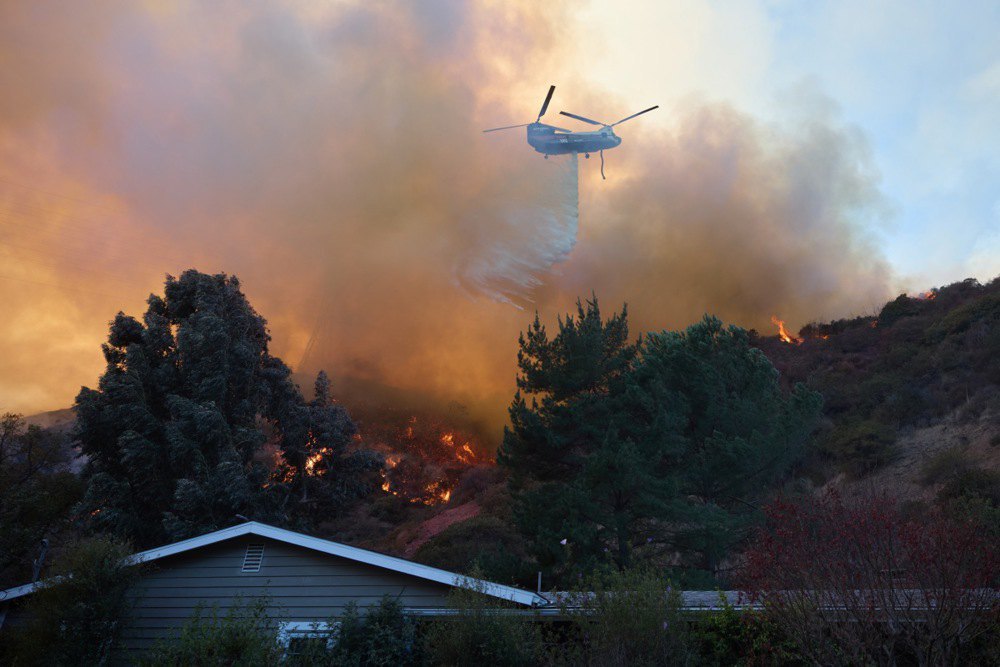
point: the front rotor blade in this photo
(545, 104)
(634, 115)
(508, 127)
(585, 120)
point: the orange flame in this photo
(465, 453)
(929, 295)
(313, 459)
(782, 333)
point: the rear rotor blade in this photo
(585, 120)
(634, 115)
(545, 104)
(508, 127)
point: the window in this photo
(297, 636)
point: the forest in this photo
(710, 458)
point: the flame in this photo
(929, 295)
(437, 494)
(313, 459)
(464, 454)
(782, 333)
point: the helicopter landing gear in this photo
(586, 155)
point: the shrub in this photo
(244, 636)
(859, 583)
(727, 637)
(862, 446)
(483, 631)
(75, 617)
(628, 618)
(384, 637)
(484, 542)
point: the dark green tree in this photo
(630, 450)
(580, 490)
(190, 395)
(712, 405)
(37, 492)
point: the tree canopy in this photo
(175, 432)
(645, 448)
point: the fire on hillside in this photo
(424, 455)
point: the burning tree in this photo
(861, 583)
(174, 431)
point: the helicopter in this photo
(551, 140)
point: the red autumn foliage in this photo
(860, 583)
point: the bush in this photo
(860, 583)
(483, 631)
(487, 543)
(729, 637)
(244, 636)
(862, 447)
(75, 617)
(627, 618)
(384, 637)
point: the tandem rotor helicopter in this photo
(551, 140)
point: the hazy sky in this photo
(809, 159)
(921, 81)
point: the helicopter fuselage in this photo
(545, 139)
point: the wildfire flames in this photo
(313, 459)
(929, 295)
(783, 333)
(423, 458)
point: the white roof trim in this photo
(324, 546)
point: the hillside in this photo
(912, 396)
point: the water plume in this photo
(540, 233)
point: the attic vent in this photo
(254, 555)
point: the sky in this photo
(809, 160)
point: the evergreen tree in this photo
(712, 404)
(188, 398)
(649, 448)
(580, 490)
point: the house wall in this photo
(299, 584)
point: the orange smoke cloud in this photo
(332, 159)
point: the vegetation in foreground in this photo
(622, 457)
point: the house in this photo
(305, 581)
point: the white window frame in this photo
(289, 630)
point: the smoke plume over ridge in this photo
(333, 160)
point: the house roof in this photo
(323, 546)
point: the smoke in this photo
(332, 158)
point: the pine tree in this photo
(189, 396)
(580, 489)
(633, 450)
(712, 404)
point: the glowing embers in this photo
(783, 333)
